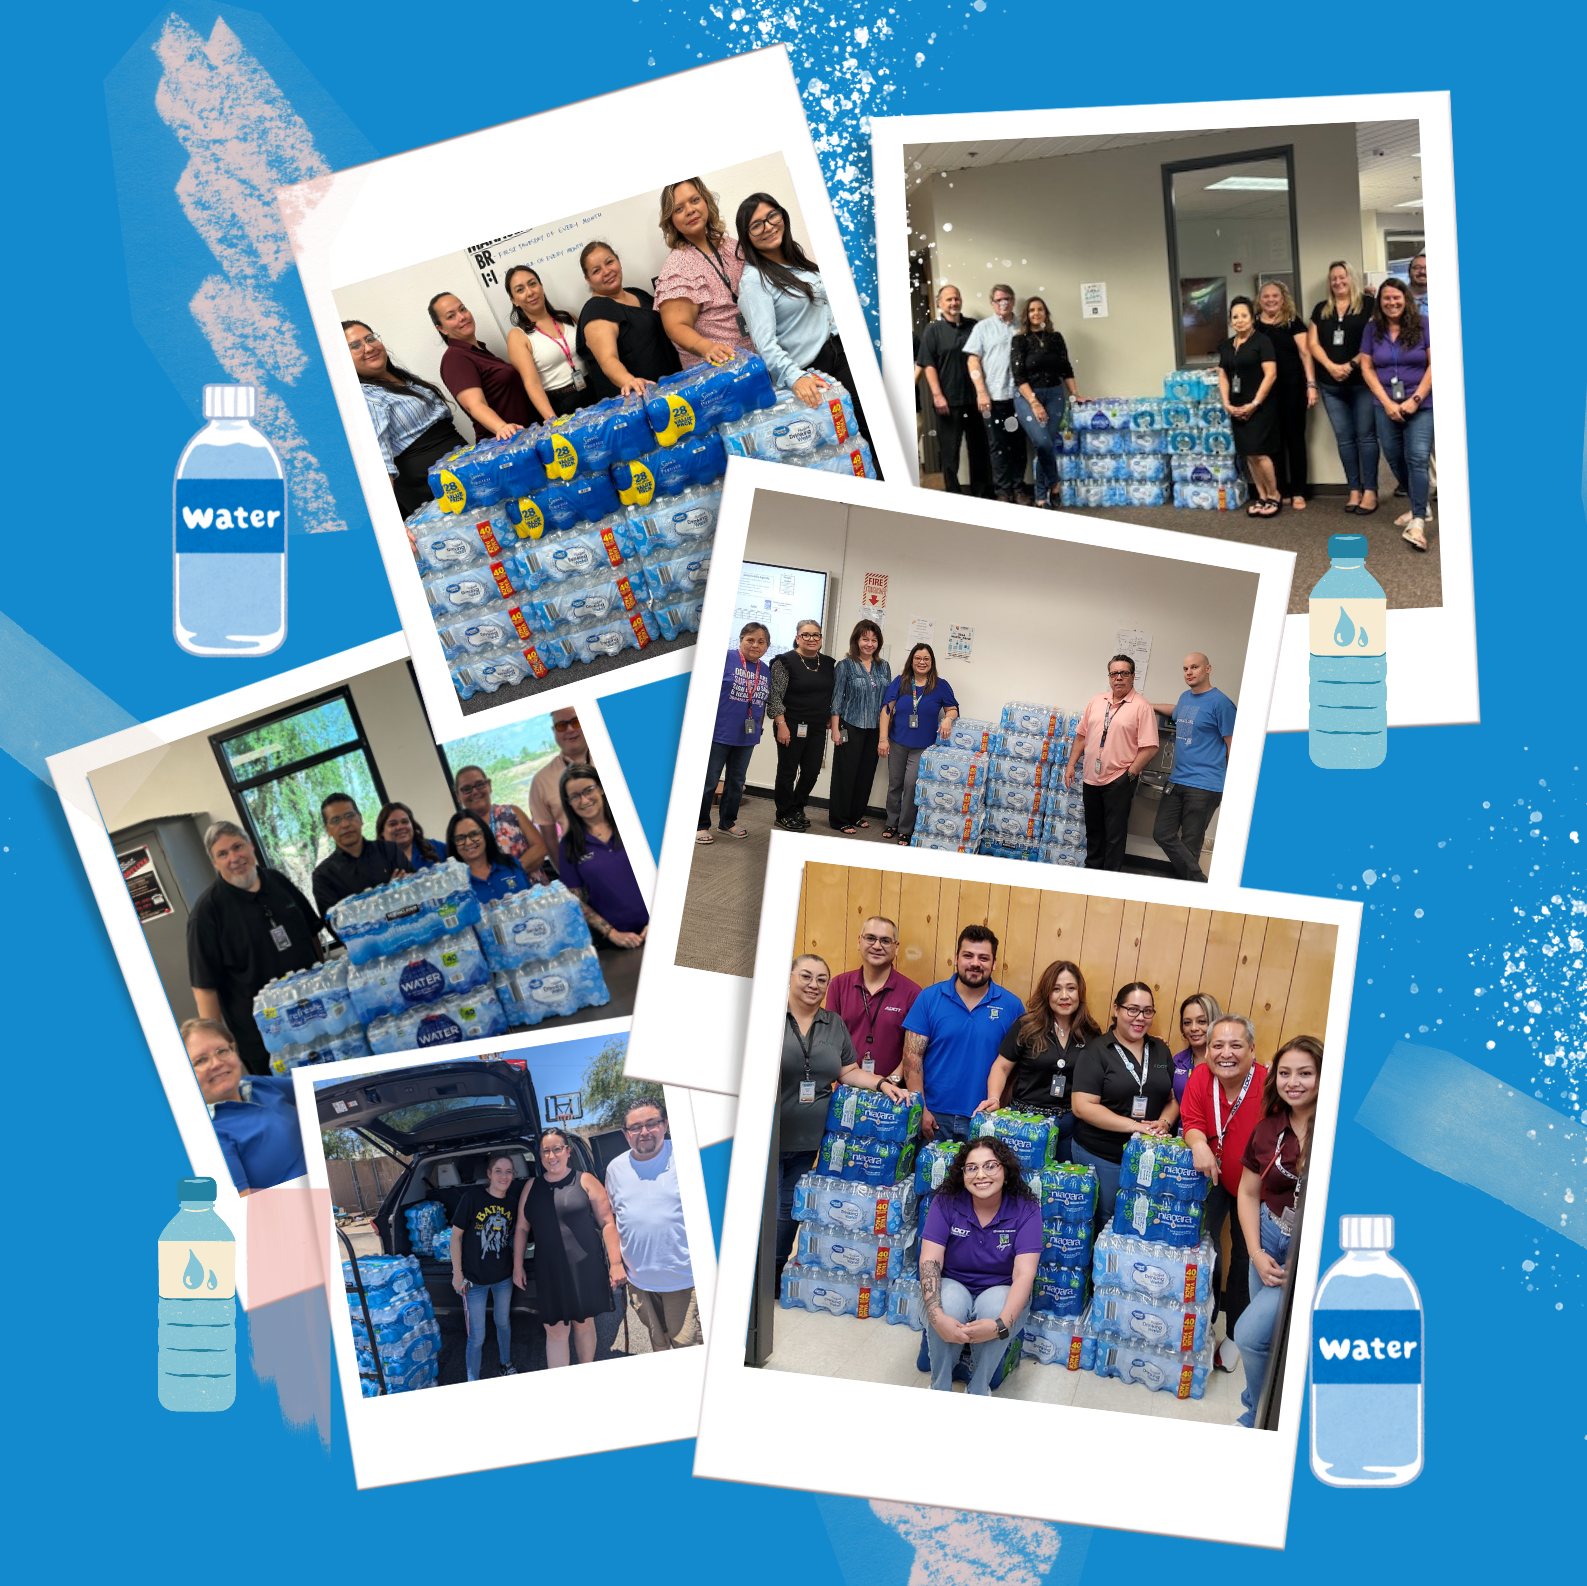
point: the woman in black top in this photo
(1124, 1085)
(578, 1261)
(800, 706)
(1247, 373)
(1044, 386)
(621, 338)
(1297, 388)
(482, 1260)
(816, 1055)
(1042, 1052)
(1336, 326)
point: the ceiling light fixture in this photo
(1250, 184)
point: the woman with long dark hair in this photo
(1044, 386)
(540, 347)
(621, 338)
(858, 683)
(784, 304)
(697, 290)
(395, 824)
(486, 387)
(1041, 1053)
(1397, 365)
(412, 421)
(491, 873)
(1247, 374)
(595, 865)
(916, 710)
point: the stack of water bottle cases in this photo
(592, 534)
(400, 1327)
(426, 965)
(1177, 449)
(998, 788)
(1136, 1306)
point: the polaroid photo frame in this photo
(760, 1420)
(72, 771)
(823, 515)
(449, 1430)
(357, 225)
(1432, 649)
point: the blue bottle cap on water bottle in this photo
(1347, 547)
(195, 1189)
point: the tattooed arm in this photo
(912, 1074)
(937, 1319)
(603, 927)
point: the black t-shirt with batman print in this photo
(487, 1224)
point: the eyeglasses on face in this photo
(982, 1169)
(877, 941)
(469, 837)
(584, 794)
(570, 725)
(645, 1126)
(553, 1150)
(204, 1059)
(1119, 675)
(1136, 1015)
(465, 788)
(765, 223)
(371, 340)
(346, 818)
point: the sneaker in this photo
(1024, 497)
(1227, 1357)
(961, 1373)
(509, 1371)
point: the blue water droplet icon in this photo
(1345, 630)
(213, 1282)
(193, 1272)
(1361, 638)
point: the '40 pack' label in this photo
(236, 515)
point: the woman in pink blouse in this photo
(697, 290)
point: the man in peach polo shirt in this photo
(1116, 742)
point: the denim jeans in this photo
(963, 1306)
(1044, 437)
(953, 1125)
(730, 763)
(1181, 827)
(1107, 1183)
(1253, 1333)
(1407, 448)
(791, 1167)
(1351, 411)
(475, 1299)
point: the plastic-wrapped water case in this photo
(865, 1161)
(904, 1306)
(1185, 1376)
(965, 732)
(1059, 1291)
(1039, 774)
(1033, 721)
(932, 1164)
(813, 1289)
(1031, 1136)
(1056, 1341)
(951, 798)
(1038, 749)
(1066, 1244)
(1157, 1271)
(856, 1255)
(943, 823)
(857, 1111)
(1162, 1166)
(941, 764)
(1172, 1326)
(1067, 1192)
(1194, 469)
(1159, 1219)
(879, 1209)
(1211, 498)
(944, 845)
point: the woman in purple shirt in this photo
(1397, 365)
(978, 1256)
(1197, 1015)
(740, 716)
(917, 708)
(595, 867)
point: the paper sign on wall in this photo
(873, 596)
(1138, 646)
(1094, 300)
(961, 641)
(143, 882)
(922, 630)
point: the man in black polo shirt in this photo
(353, 865)
(248, 928)
(940, 357)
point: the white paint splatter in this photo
(955, 1548)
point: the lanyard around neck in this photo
(1217, 1107)
(714, 259)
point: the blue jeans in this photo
(1107, 1183)
(476, 1297)
(791, 1167)
(730, 762)
(1063, 1146)
(953, 1125)
(1350, 411)
(1408, 447)
(1044, 437)
(963, 1306)
(1253, 1333)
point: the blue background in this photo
(1469, 834)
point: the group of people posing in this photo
(966, 1045)
(994, 383)
(716, 296)
(866, 714)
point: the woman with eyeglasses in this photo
(740, 716)
(578, 1261)
(817, 1054)
(697, 290)
(799, 706)
(540, 348)
(1196, 1016)
(979, 1250)
(595, 865)
(1223, 1104)
(255, 1115)
(412, 421)
(395, 824)
(621, 338)
(516, 834)
(1124, 1085)
(917, 710)
(491, 873)
(785, 306)
(859, 682)
(486, 387)
(1337, 325)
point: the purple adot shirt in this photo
(1389, 359)
(744, 690)
(982, 1258)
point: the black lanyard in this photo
(805, 1042)
(714, 259)
(873, 1009)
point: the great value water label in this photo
(1147, 1326)
(247, 516)
(484, 636)
(799, 436)
(450, 549)
(576, 559)
(1353, 625)
(549, 988)
(466, 592)
(529, 933)
(846, 1257)
(1366, 1346)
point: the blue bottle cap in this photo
(195, 1189)
(1347, 547)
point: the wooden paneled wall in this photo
(1277, 972)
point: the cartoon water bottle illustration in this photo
(229, 544)
(198, 1305)
(1366, 1364)
(1349, 665)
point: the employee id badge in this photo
(868, 1064)
(807, 1092)
(1396, 389)
(1234, 384)
(804, 730)
(749, 725)
(914, 719)
(1059, 1084)
(1137, 1107)
(1099, 765)
(278, 935)
(1339, 336)
(1286, 1222)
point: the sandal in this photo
(864, 826)
(1413, 534)
(904, 842)
(734, 831)
(1255, 508)
(1403, 519)
(889, 832)
(1298, 503)
(704, 839)
(850, 831)
(1266, 508)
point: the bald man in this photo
(952, 411)
(1203, 732)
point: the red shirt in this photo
(463, 368)
(875, 1023)
(1196, 1112)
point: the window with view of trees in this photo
(280, 768)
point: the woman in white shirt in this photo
(540, 346)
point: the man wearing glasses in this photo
(987, 354)
(873, 999)
(643, 1187)
(545, 791)
(354, 864)
(1117, 740)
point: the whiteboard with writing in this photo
(782, 598)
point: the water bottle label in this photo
(1352, 625)
(465, 592)
(680, 420)
(202, 1270)
(564, 462)
(1366, 1346)
(799, 436)
(421, 981)
(453, 495)
(846, 1257)
(437, 1030)
(549, 988)
(531, 522)
(237, 515)
(839, 422)
(531, 933)
(503, 582)
(641, 487)
(641, 632)
(451, 549)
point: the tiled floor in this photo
(817, 1345)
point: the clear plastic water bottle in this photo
(1349, 663)
(1366, 1364)
(198, 1306)
(229, 533)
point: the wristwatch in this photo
(1002, 1328)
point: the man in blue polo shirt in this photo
(952, 1033)
(1203, 731)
